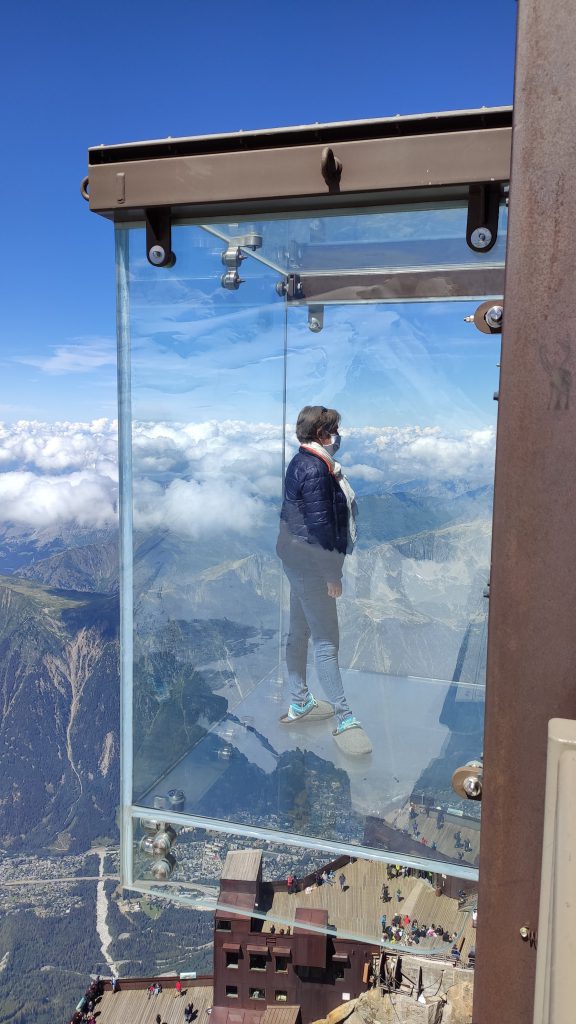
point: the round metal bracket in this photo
(467, 781)
(157, 255)
(489, 317)
(162, 842)
(232, 257)
(481, 238)
(231, 280)
(251, 240)
(158, 258)
(315, 318)
(176, 799)
(163, 868)
(153, 825)
(84, 188)
(146, 845)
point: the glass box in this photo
(363, 312)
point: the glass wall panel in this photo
(381, 238)
(364, 898)
(415, 390)
(207, 403)
(219, 376)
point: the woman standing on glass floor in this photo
(317, 530)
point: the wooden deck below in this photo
(132, 1006)
(358, 909)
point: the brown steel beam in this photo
(401, 286)
(188, 182)
(532, 631)
(307, 134)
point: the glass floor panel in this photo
(252, 769)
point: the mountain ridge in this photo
(59, 700)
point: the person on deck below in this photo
(317, 530)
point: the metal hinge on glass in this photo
(488, 318)
(467, 780)
(232, 258)
(156, 846)
(293, 289)
(483, 211)
(159, 237)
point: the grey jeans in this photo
(313, 614)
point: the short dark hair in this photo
(315, 419)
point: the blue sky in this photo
(121, 72)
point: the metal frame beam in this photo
(401, 285)
(187, 175)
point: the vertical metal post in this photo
(531, 647)
(281, 613)
(126, 573)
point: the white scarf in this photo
(336, 470)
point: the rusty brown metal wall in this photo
(532, 631)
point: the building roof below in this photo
(242, 865)
(309, 915)
(281, 1015)
(228, 1015)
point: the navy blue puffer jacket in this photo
(314, 518)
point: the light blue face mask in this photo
(334, 445)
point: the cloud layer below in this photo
(201, 479)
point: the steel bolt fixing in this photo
(481, 238)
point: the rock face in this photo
(451, 1007)
(342, 1012)
(93, 567)
(59, 696)
(22, 548)
(373, 1008)
(408, 603)
(459, 1006)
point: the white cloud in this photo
(200, 479)
(38, 501)
(59, 447)
(469, 454)
(191, 509)
(84, 357)
(369, 473)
